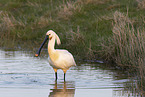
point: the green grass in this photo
(89, 22)
(85, 27)
(26, 21)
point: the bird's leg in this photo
(55, 74)
(64, 77)
(64, 70)
(55, 87)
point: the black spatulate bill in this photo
(38, 52)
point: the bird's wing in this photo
(66, 57)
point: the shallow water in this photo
(24, 76)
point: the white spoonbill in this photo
(58, 58)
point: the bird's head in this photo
(52, 34)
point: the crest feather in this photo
(57, 39)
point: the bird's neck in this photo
(51, 45)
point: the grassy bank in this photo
(23, 23)
(89, 29)
(126, 47)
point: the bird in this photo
(58, 58)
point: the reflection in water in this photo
(126, 93)
(21, 70)
(63, 89)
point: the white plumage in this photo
(58, 59)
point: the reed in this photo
(126, 47)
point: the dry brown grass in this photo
(43, 21)
(34, 5)
(92, 1)
(141, 4)
(127, 45)
(6, 26)
(141, 64)
(74, 37)
(90, 53)
(66, 9)
(8, 21)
